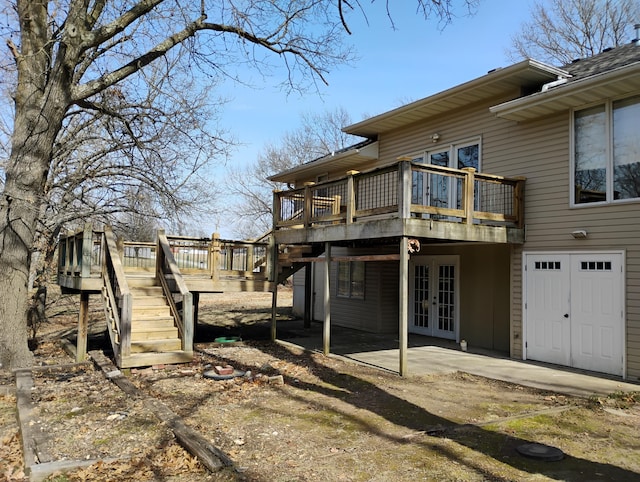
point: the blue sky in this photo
(414, 61)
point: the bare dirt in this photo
(301, 416)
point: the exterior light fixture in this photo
(435, 137)
(579, 234)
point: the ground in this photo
(301, 416)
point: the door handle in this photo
(566, 315)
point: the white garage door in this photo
(574, 310)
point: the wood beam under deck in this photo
(76, 284)
(393, 227)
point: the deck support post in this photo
(308, 298)
(83, 327)
(274, 275)
(403, 326)
(326, 326)
(196, 304)
(274, 311)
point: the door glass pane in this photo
(439, 184)
(468, 156)
(421, 297)
(446, 297)
(626, 149)
(590, 155)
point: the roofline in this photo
(569, 88)
(472, 84)
(329, 158)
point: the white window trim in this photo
(452, 148)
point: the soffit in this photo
(525, 75)
(352, 159)
(616, 83)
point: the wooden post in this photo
(468, 194)
(196, 308)
(83, 327)
(307, 213)
(326, 326)
(276, 208)
(404, 189)
(308, 309)
(273, 247)
(87, 248)
(250, 261)
(351, 196)
(159, 255)
(519, 201)
(403, 309)
(274, 312)
(215, 256)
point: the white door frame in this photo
(435, 260)
(622, 300)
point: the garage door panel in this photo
(573, 309)
(547, 288)
(596, 308)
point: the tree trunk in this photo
(42, 97)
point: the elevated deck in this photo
(404, 199)
(150, 291)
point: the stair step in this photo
(150, 322)
(154, 334)
(147, 291)
(173, 344)
(151, 310)
(141, 281)
(143, 300)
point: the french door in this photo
(434, 298)
(439, 190)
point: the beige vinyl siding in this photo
(378, 311)
(484, 292)
(516, 302)
(545, 162)
(389, 296)
(471, 123)
(540, 151)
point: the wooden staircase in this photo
(152, 326)
(154, 337)
(289, 259)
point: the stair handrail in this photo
(118, 296)
(166, 266)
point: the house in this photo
(504, 211)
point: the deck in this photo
(404, 199)
(150, 291)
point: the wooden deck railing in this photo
(404, 190)
(117, 296)
(80, 253)
(167, 272)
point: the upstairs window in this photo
(606, 152)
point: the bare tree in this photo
(67, 53)
(561, 31)
(317, 136)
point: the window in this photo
(351, 279)
(547, 266)
(606, 152)
(439, 190)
